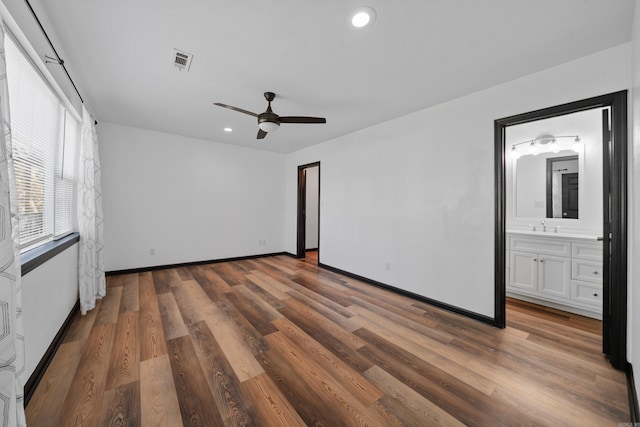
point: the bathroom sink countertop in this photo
(558, 235)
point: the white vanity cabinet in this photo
(562, 272)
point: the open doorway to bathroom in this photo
(308, 235)
(543, 255)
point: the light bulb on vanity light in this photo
(578, 145)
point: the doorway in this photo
(308, 217)
(614, 207)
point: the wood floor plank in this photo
(233, 344)
(122, 406)
(430, 353)
(124, 364)
(328, 340)
(115, 281)
(335, 316)
(266, 310)
(187, 302)
(257, 313)
(277, 288)
(164, 279)
(264, 294)
(311, 316)
(243, 326)
(208, 276)
(327, 291)
(185, 273)
(334, 394)
(229, 273)
(172, 322)
(318, 297)
(152, 340)
(81, 325)
(109, 307)
(405, 320)
(430, 413)
(159, 401)
(272, 406)
(194, 396)
(230, 400)
(357, 384)
(83, 403)
(44, 407)
(277, 264)
(304, 399)
(130, 300)
(444, 390)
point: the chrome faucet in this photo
(544, 227)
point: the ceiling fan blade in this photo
(301, 119)
(261, 134)
(240, 110)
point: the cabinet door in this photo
(554, 276)
(523, 271)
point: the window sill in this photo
(35, 257)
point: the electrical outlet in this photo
(152, 251)
(387, 266)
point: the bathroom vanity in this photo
(559, 270)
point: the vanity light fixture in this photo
(538, 144)
(228, 130)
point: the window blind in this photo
(40, 126)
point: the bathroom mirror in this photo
(547, 185)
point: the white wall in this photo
(48, 294)
(417, 192)
(187, 199)
(311, 225)
(633, 343)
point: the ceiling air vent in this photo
(181, 60)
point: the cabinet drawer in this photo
(589, 251)
(590, 271)
(541, 246)
(586, 293)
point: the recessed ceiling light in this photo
(363, 16)
(228, 130)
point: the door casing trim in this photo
(301, 219)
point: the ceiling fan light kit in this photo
(269, 126)
(270, 121)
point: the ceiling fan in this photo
(270, 121)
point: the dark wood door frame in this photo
(302, 204)
(615, 209)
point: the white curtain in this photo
(11, 335)
(91, 262)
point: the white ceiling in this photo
(418, 54)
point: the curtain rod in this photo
(57, 58)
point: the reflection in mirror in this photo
(562, 187)
(547, 193)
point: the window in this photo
(44, 137)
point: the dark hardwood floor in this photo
(279, 342)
